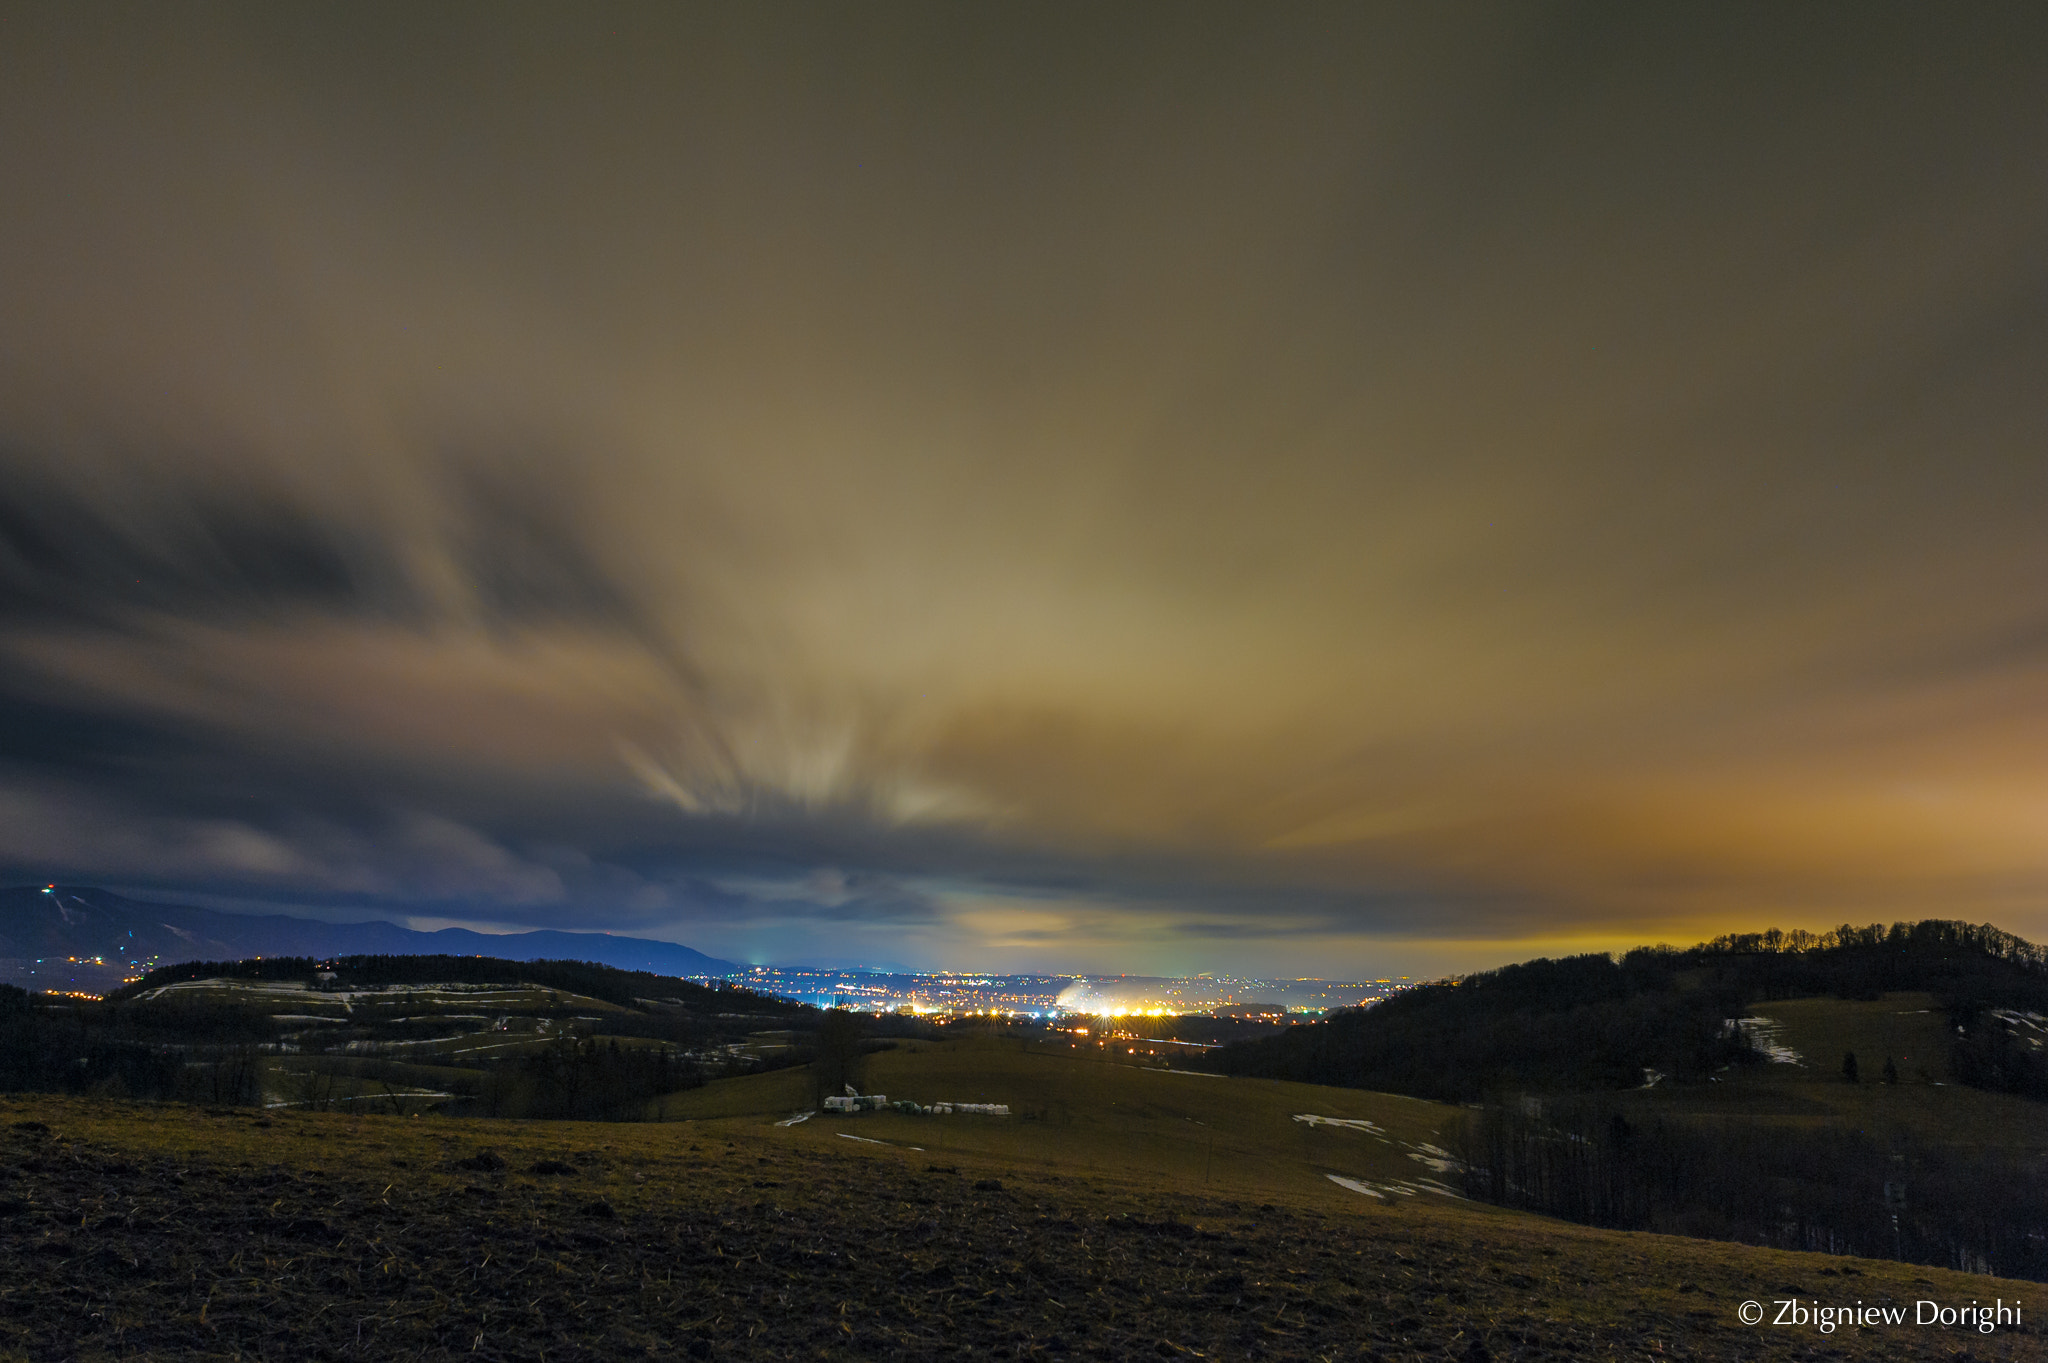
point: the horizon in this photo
(401, 920)
(1792, 939)
(1325, 492)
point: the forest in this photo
(1833, 1189)
(1596, 1022)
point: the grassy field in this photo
(1121, 1213)
(1925, 1103)
(1907, 1028)
(1185, 1132)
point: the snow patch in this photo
(1354, 1123)
(1763, 1034)
(2021, 1024)
(870, 1140)
(1396, 1187)
(1437, 1158)
(1356, 1186)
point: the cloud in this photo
(54, 829)
(57, 830)
(828, 894)
(1327, 481)
(458, 863)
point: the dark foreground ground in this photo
(135, 1233)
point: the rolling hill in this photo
(1873, 1089)
(452, 1035)
(1594, 1022)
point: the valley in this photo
(393, 1157)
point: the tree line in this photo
(1963, 964)
(202, 1054)
(1835, 1190)
(585, 1079)
(627, 988)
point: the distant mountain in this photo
(70, 937)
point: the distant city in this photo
(951, 993)
(941, 994)
(87, 942)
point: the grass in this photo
(1122, 1213)
(1925, 1104)
(1909, 1028)
(1186, 1132)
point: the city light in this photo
(942, 994)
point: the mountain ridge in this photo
(64, 937)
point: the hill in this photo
(456, 1034)
(1874, 1089)
(194, 1232)
(1599, 1023)
(61, 937)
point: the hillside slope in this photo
(1591, 1023)
(182, 1233)
(1708, 1092)
(444, 1034)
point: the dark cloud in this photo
(67, 558)
(525, 558)
(75, 552)
(51, 734)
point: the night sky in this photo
(1281, 489)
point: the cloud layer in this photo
(1186, 489)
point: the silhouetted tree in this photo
(1830, 1190)
(839, 1054)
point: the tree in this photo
(1849, 1066)
(839, 1053)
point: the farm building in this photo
(856, 1102)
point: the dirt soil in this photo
(183, 1234)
